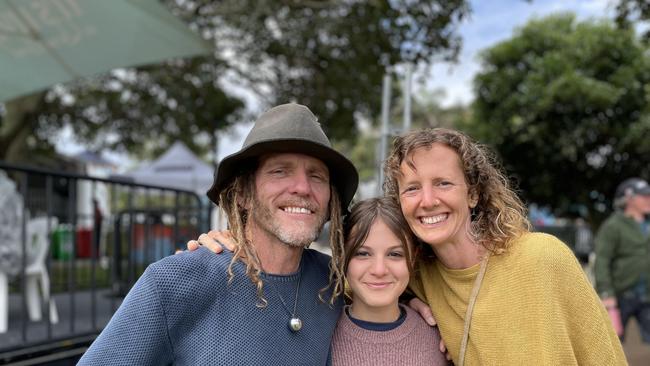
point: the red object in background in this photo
(158, 231)
(84, 237)
(615, 317)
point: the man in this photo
(268, 302)
(623, 258)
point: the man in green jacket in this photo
(623, 257)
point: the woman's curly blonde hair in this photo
(237, 195)
(499, 216)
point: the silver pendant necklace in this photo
(295, 324)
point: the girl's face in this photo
(377, 275)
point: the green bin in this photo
(62, 242)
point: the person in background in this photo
(378, 263)
(622, 267)
(501, 295)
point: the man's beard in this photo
(300, 234)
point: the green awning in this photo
(45, 42)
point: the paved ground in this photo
(637, 353)
(73, 320)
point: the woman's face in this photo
(377, 273)
(434, 196)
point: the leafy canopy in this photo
(329, 55)
(565, 103)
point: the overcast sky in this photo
(494, 21)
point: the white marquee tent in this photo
(177, 168)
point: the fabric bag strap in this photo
(470, 309)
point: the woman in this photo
(500, 294)
(374, 329)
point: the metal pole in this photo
(385, 110)
(23, 266)
(48, 263)
(407, 97)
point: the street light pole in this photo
(408, 71)
(385, 111)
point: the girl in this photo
(375, 329)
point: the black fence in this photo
(71, 246)
(579, 237)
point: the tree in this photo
(330, 55)
(145, 110)
(566, 106)
(140, 111)
(426, 112)
(629, 12)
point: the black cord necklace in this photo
(295, 324)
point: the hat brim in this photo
(343, 174)
(644, 191)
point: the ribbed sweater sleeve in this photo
(607, 241)
(137, 332)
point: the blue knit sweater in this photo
(182, 311)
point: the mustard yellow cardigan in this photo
(535, 307)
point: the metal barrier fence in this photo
(578, 237)
(71, 246)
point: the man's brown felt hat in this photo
(289, 128)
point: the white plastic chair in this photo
(4, 301)
(37, 232)
(36, 270)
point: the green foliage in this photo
(362, 151)
(426, 112)
(145, 110)
(630, 12)
(566, 106)
(329, 55)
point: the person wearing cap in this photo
(622, 267)
(271, 301)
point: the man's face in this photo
(639, 204)
(290, 205)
